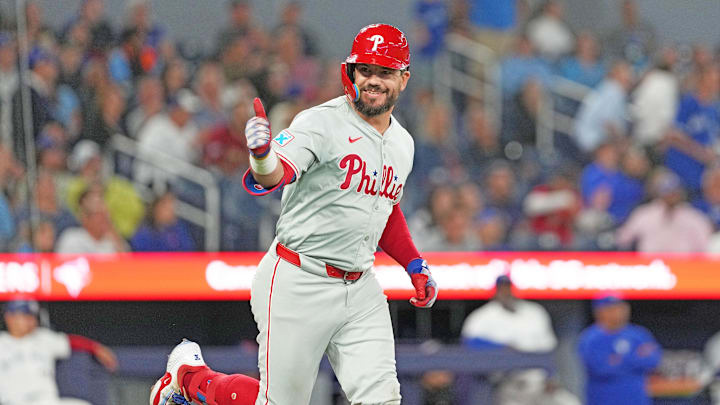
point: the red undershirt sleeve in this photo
(82, 344)
(396, 240)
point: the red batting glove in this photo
(426, 290)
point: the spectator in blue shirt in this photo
(522, 66)
(494, 22)
(605, 187)
(585, 66)
(617, 355)
(432, 18)
(693, 143)
(163, 232)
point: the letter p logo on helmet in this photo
(377, 40)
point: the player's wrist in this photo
(261, 152)
(266, 164)
(415, 266)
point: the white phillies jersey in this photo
(348, 177)
(27, 367)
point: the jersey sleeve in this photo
(300, 145)
(56, 343)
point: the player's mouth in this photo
(373, 93)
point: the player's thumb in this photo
(259, 109)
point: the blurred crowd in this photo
(640, 169)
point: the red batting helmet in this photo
(375, 44)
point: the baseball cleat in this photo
(168, 390)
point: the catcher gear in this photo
(426, 290)
(375, 44)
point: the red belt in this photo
(294, 258)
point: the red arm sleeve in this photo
(82, 344)
(396, 240)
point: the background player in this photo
(342, 165)
(29, 353)
(617, 355)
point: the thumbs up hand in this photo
(257, 131)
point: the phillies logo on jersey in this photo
(386, 187)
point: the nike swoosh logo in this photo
(354, 140)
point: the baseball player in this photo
(28, 355)
(342, 166)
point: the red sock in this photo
(220, 389)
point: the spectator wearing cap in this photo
(524, 326)
(163, 232)
(29, 353)
(692, 144)
(125, 206)
(43, 78)
(603, 114)
(172, 134)
(666, 224)
(617, 355)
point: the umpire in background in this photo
(617, 355)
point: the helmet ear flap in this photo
(347, 76)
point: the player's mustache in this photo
(374, 88)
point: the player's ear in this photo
(404, 76)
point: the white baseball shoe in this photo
(168, 390)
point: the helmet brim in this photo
(380, 60)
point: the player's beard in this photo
(372, 111)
